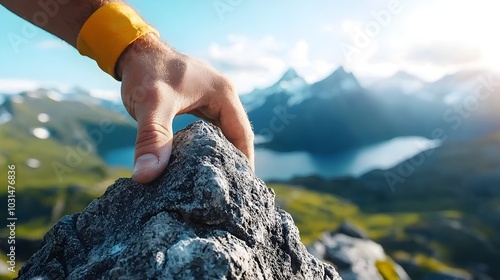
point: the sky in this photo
(255, 42)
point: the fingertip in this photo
(250, 155)
(252, 160)
(149, 166)
(236, 126)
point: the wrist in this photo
(133, 52)
(108, 32)
(142, 48)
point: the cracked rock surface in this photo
(206, 217)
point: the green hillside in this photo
(58, 172)
(443, 204)
(444, 215)
(315, 212)
(79, 134)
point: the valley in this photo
(333, 151)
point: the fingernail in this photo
(146, 162)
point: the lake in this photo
(286, 165)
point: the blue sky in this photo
(254, 42)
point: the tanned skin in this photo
(158, 83)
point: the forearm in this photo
(63, 18)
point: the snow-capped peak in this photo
(403, 75)
(290, 83)
(401, 83)
(289, 75)
(339, 82)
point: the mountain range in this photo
(320, 118)
(445, 207)
(350, 115)
(286, 115)
(449, 197)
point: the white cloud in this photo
(444, 54)
(260, 62)
(429, 40)
(12, 86)
(52, 44)
(242, 54)
(328, 28)
(299, 54)
(108, 94)
(351, 27)
(312, 69)
(15, 86)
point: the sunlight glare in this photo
(466, 24)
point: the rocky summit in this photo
(206, 217)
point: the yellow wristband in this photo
(108, 32)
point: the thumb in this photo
(153, 146)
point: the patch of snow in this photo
(40, 132)
(110, 95)
(5, 117)
(33, 163)
(56, 96)
(43, 118)
(290, 83)
(17, 99)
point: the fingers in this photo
(220, 105)
(236, 127)
(224, 109)
(201, 89)
(154, 136)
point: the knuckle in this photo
(147, 95)
(230, 88)
(139, 95)
(224, 85)
(152, 134)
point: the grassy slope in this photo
(69, 126)
(41, 197)
(445, 208)
(315, 212)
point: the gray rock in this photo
(206, 217)
(352, 231)
(355, 259)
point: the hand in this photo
(158, 84)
